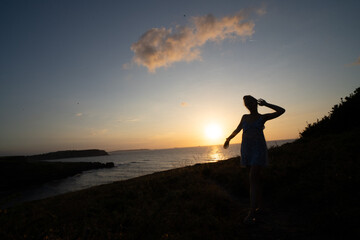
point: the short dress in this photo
(253, 145)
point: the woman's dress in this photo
(253, 145)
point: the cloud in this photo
(133, 120)
(161, 47)
(356, 63)
(129, 120)
(98, 132)
(164, 135)
(261, 11)
(79, 114)
(126, 66)
(184, 104)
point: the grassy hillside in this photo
(206, 201)
(321, 176)
(311, 192)
(342, 117)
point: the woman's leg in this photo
(255, 191)
(255, 176)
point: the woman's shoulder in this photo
(245, 117)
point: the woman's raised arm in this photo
(278, 110)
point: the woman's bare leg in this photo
(256, 186)
(255, 191)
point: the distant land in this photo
(58, 155)
(129, 150)
(68, 154)
(18, 173)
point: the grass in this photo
(310, 191)
(153, 206)
(321, 177)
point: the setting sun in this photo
(213, 131)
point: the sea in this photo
(131, 164)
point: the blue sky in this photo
(68, 79)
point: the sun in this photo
(213, 131)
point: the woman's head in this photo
(250, 102)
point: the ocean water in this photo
(130, 164)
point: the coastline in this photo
(18, 174)
(127, 163)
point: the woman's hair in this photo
(250, 102)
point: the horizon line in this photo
(128, 149)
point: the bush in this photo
(341, 118)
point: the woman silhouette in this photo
(253, 148)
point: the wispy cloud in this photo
(126, 66)
(261, 11)
(161, 47)
(164, 135)
(356, 63)
(135, 119)
(98, 132)
(184, 104)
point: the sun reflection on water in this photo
(216, 154)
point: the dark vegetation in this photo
(311, 192)
(342, 117)
(320, 172)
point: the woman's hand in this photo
(226, 144)
(262, 102)
(278, 110)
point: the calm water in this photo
(130, 164)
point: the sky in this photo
(156, 74)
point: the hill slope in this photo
(342, 117)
